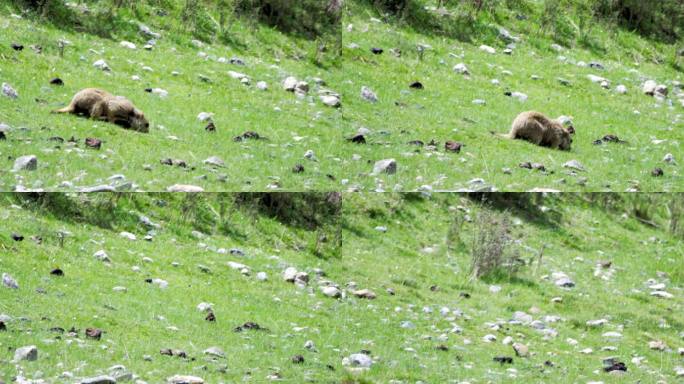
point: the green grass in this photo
(442, 111)
(137, 323)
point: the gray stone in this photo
(27, 163)
(368, 95)
(388, 166)
(28, 353)
(9, 282)
(8, 91)
(358, 360)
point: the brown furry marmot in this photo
(540, 130)
(100, 105)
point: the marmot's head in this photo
(137, 121)
(566, 138)
(566, 131)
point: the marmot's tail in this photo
(502, 135)
(66, 109)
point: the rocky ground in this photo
(148, 297)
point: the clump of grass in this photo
(491, 249)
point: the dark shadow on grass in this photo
(525, 205)
(502, 277)
(462, 26)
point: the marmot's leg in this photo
(538, 138)
(97, 112)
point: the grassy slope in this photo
(84, 297)
(444, 110)
(440, 112)
(395, 259)
(131, 321)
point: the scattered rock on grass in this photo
(28, 353)
(26, 163)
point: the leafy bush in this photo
(309, 18)
(491, 252)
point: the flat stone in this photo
(215, 351)
(183, 379)
(99, 380)
(185, 188)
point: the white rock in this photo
(597, 323)
(262, 85)
(612, 335)
(368, 95)
(215, 161)
(289, 274)
(489, 338)
(204, 307)
(574, 164)
(649, 87)
(101, 65)
(331, 291)
(488, 49)
(128, 45)
(163, 284)
(215, 351)
(679, 371)
(330, 100)
(184, 379)
(262, 276)
(26, 163)
(205, 116)
(236, 266)
(461, 69)
(163, 93)
(101, 255)
(99, 380)
(290, 83)
(662, 294)
(9, 282)
(621, 89)
(237, 75)
(360, 360)
(596, 79)
(28, 353)
(556, 47)
(128, 235)
(388, 166)
(669, 158)
(8, 91)
(519, 95)
(184, 188)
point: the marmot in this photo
(540, 130)
(101, 105)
